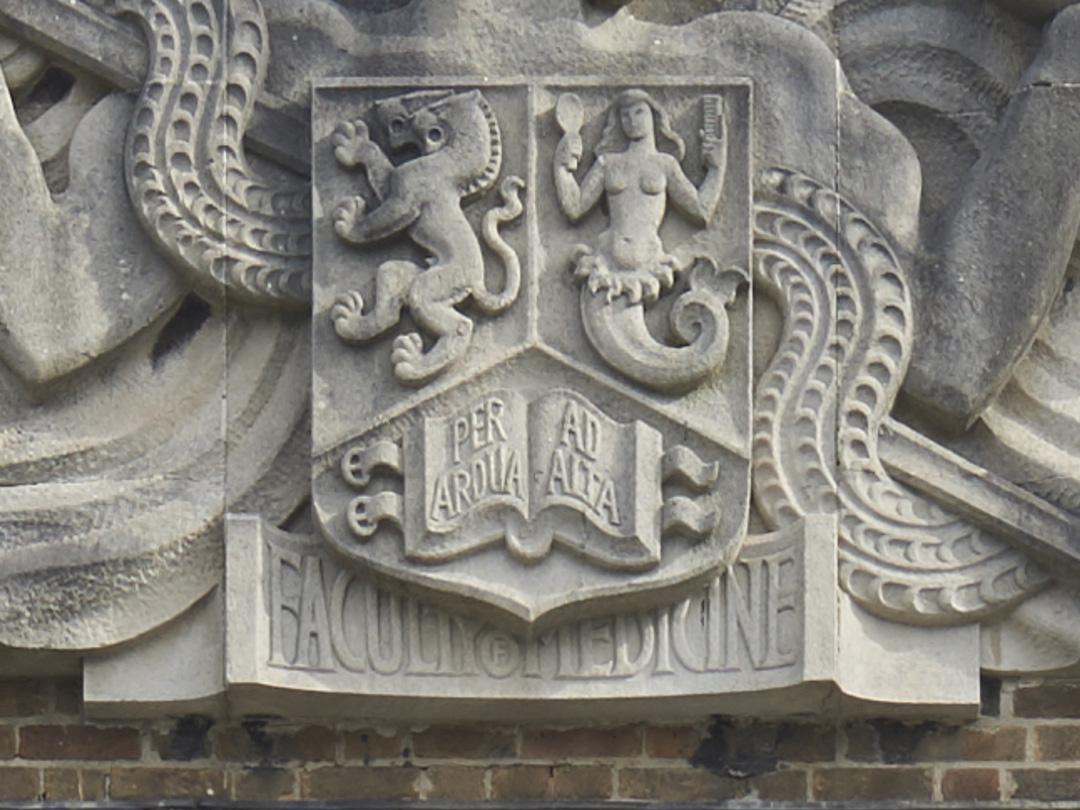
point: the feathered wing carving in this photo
(187, 173)
(842, 356)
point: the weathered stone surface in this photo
(996, 152)
(1037, 10)
(1039, 636)
(600, 299)
(116, 476)
(182, 664)
(935, 662)
(104, 542)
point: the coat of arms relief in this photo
(614, 375)
(503, 438)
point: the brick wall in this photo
(1026, 745)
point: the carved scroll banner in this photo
(532, 338)
(598, 469)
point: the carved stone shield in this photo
(532, 337)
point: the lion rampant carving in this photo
(460, 147)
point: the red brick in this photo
(7, 742)
(93, 784)
(79, 742)
(183, 740)
(780, 786)
(872, 784)
(582, 782)
(71, 784)
(231, 745)
(250, 743)
(672, 742)
(311, 744)
(166, 783)
(799, 742)
(263, 784)
(970, 784)
(897, 742)
(1047, 700)
(1057, 743)
(258, 742)
(999, 744)
(582, 743)
(521, 782)
(987, 745)
(1045, 785)
(464, 742)
(455, 783)
(19, 784)
(390, 783)
(61, 784)
(368, 744)
(862, 743)
(758, 746)
(67, 698)
(678, 785)
(23, 698)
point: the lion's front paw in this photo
(347, 315)
(347, 215)
(352, 143)
(406, 357)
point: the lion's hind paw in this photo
(347, 215)
(347, 315)
(407, 358)
(408, 348)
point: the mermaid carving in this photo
(630, 268)
(461, 154)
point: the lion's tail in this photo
(510, 210)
